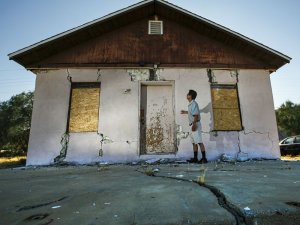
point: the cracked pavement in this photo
(260, 192)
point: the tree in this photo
(288, 118)
(15, 118)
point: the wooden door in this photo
(157, 119)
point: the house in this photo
(111, 90)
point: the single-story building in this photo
(111, 90)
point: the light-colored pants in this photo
(196, 136)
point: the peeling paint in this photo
(139, 74)
(107, 140)
(180, 134)
(157, 132)
(104, 140)
(146, 74)
(155, 136)
(214, 76)
(157, 75)
(235, 73)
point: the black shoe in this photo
(203, 160)
(193, 160)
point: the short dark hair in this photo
(193, 94)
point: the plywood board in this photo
(226, 110)
(84, 110)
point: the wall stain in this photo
(155, 135)
(159, 136)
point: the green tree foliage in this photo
(288, 118)
(15, 118)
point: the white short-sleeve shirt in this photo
(193, 109)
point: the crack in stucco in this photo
(235, 73)
(183, 135)
(63, 152)
(98, 75)
(211, 76)
(180, 134)
(104, 140)
(239, 143)
(268, 135)
(240, 217)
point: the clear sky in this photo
(275, 23)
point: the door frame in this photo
(155, 83)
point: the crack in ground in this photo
(39, 205)
(296, 204)
(240, 218)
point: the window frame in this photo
(226, 86)
(82, 85)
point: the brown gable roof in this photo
(47, 52)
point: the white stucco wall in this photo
(51, 100)
(119, 116)
(260, 137)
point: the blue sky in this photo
(275, 23)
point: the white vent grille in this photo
(155, 27)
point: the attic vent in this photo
(155, 27)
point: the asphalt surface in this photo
(255, 192)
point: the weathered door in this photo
(157, 119)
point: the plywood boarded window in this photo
(84, 107)
(226, 111)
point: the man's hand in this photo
(183, 112)
(194, 127)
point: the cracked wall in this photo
(119, 116)
(258, 115)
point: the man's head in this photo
(191, 95)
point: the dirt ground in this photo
(11, 162)
(291, 158)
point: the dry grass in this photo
(9, 162)
(291, 158)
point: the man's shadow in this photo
(214, 136)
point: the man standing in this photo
(194, 121)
